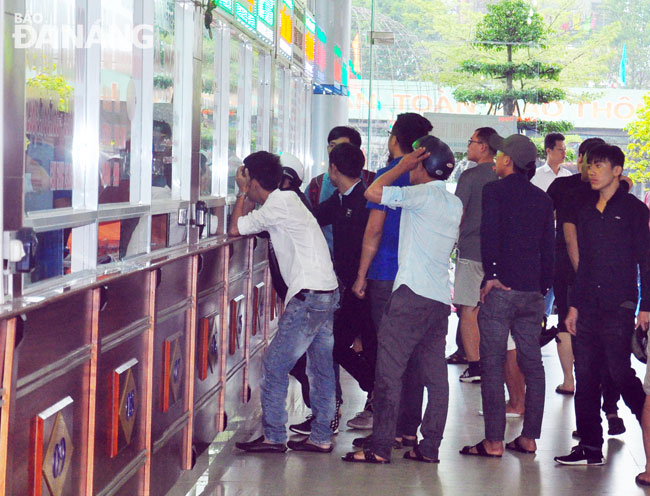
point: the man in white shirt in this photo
(312, 297)
(552, 169)
(415, 318)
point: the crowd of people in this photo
(363, 265)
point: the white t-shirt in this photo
(303, 256)
(544, 176)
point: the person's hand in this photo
(643, 320)
(411, 160)
(359, 287)
(490, 285)
(242, 179)
(357, 345)
(571, 321)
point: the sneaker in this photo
(471, 377)
(334, 424)
(616, 426)
(362, 420)
(303, 428)
(581, 456)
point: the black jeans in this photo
(410, 410)
(602, 344)
(563, 277)
(411, 325)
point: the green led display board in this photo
(266, 11)
(226, 5)
(245, 16)
(310, 24)
(288, 3)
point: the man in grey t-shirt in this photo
(469, 270)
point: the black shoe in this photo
(304, 445)
(303, 428)
(470, 377)
(259, 446)
(581, 456)
(361, 442)
(575, 434)
(616, 426)
(364, 442)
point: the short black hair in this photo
(163, 127)
(349, 159)
(409, 127)
(265, 167)
(588, 144)
(345, 132)
(551, 139)
(610, 153)
(484, 134)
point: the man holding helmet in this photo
(415, 319)
(517, 252)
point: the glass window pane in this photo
(114, 239)
(52, 256)
(234, 111)
(49, 99)
(278, 111)
(208, 87)
(164, 135)
(117, 101)
(256, 118)
(165, 231)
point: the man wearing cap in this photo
(416, 315)
(517, 253)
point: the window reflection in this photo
(208, 87)
(163, 98)
(49, 108)
(117, 101)
(234, 112)
(278, 111)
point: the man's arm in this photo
(326, 211)
(641, 243)
(571, 238)
(370, 245)
(408, 163)
(242, 205)
(490, 241)
(547, 250)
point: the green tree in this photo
(638, 150)
(509, 27)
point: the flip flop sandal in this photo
(480, 451)
(516, 446)
(456, 359)
(559, 390)
(640, 481)
(418, 457)
(368, 457)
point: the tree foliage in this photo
(511, 26)
(638, 150)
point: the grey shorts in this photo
(467, 283)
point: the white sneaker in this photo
(362, 420)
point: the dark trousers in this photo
(352, 320)
(603, 344)
(563, 277)
(410, 411)
(411, 325)
(521, 313)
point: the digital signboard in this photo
(266, 19)
(226, 5)
(286, 29)
(245, 13)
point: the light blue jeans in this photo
(306, 325)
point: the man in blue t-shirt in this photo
(377, 271)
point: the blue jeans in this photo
(306, 325)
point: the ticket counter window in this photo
(166, 232)
(164, 135)
(49, 106)
(235, 114)
(117, 101)
(278, 112)
(208, 123)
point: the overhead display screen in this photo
(245, 13)
(286, 29)
(266, 14)
(310, 43)
(226, 5)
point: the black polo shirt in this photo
(348, 216)
(517, 234)
(562, 191)
(613, 245)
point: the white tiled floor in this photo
(224, 471)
